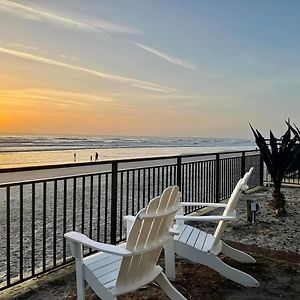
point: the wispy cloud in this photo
(172, 59)
(68, 57)
(58, 20)
(18, 45)
(100, 26)
(112, 28)
(30, 96)
(130, 81)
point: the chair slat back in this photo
(231, 204)
(150, 230)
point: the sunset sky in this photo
(132, 67)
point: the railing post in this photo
(179, 173)
(243, 164)
(261, 171)
(113, 206)
(217, 178)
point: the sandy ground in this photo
(273, 242)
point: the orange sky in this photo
(105, 70)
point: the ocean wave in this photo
(16, 143)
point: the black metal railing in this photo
(290, 178)
(36, 213)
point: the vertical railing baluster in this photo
(153, 181)
(189, 181)
(133, 193)
(167, 176)
(54, 222)
(178, 173)
(243, 164)
(74, 203)
(144, 189)
(21, 220)
(114, 200)
(149, 183)
(44, 223)
(261, 170)
(158, 180)
(91, 206)
(162, 178)
(83, 204)
(99, 207)
(204, 182)
(127, 192)
(8, 235)
(33, 229)
(121, 203)
(138, 189)
(105, 208)
(217, 178)
(64, 219)
(194, 167)
(199, 199)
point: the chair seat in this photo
(103, 267)
(194, 237)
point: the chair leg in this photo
(231, 273)
(236, 254)
(80, 282)
(168, 288)
(77, 253)
(170, 260)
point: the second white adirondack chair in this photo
(201, 247)
(121, 269)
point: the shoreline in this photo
(32, 158)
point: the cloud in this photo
(17, 45)
(130, 81)
(99, 26)
(111, 28)
(68, 57)
(44, 16)
(172, 59)
(31, 95)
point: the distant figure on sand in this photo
(74, 156)
(91, 158)
(96, 156)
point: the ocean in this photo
(25, 150)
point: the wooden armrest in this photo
(82, 239)
(203, 204)
(205, 218)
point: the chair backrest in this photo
(231, 204)
(148, 234)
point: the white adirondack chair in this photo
(121, 269)
(201, 247)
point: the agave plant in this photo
(295, 167)
(279, 158)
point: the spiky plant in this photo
(278, 157)
(295, 167)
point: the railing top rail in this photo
(51, 179)
(121, 160)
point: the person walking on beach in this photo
(96, 156)
(75, 157)
(91, 158)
